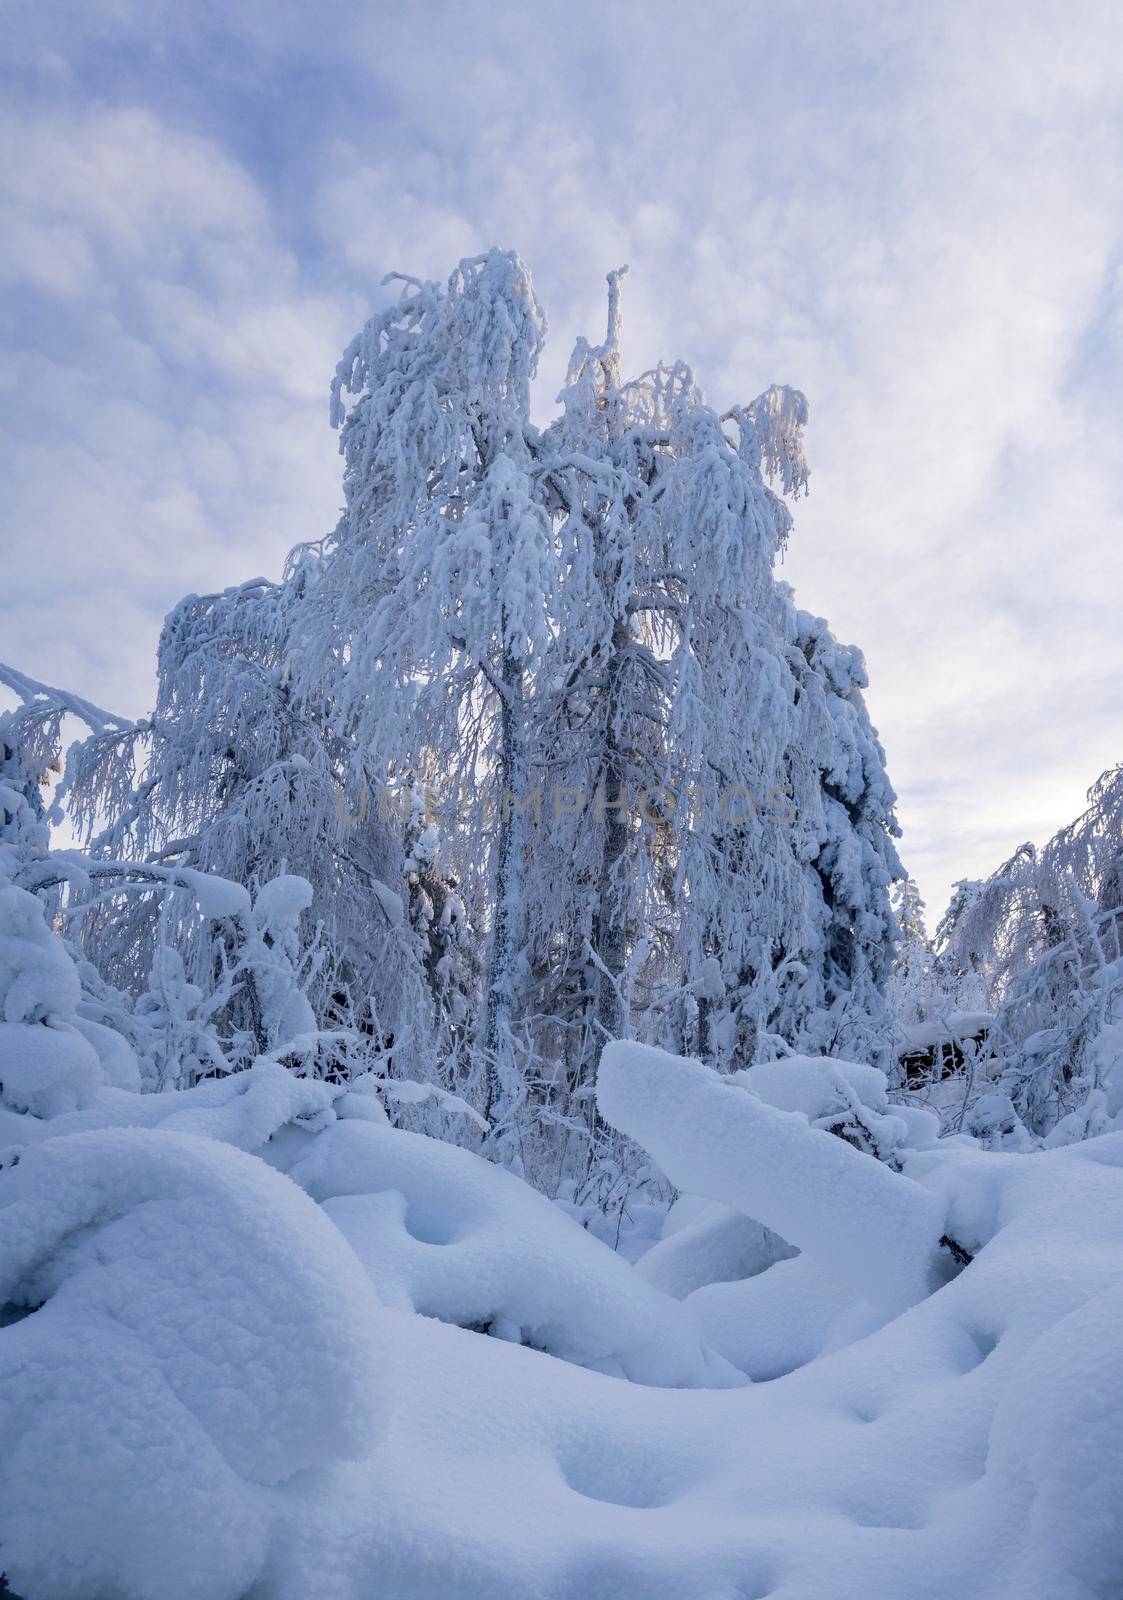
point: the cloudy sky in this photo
(914, 213)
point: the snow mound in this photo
(47, 1068)
(279, 903)
(38, 980)
(713, 1136)
(245, 1109)
(846, 1098)
(816, 1085)
(119, 1067)
(439, 1230)
(445, 1233)
(183, 1331)
(717, 1246)
(764, 1307)
(778, 1320)
(201, 1395)
(969, 1446)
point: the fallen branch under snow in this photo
(713, 1137)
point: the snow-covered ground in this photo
(220, 1379)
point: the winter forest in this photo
(484, 1114)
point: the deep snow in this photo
(210, 1396)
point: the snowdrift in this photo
(216, 1379)
(185, 1330)
(446, 1234)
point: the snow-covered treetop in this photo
(1039, 897)
(772, 436)
(436, 377)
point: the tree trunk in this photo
(503, 1096)
(609, 931)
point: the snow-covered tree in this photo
(908, 906)
(912, 990)
(556, 752)
(134, 926)
(663, 797)
(756, 821)
(599, 867)
(234, 775)
(734, 724)
(431, 602)
(1045, 933)
(855, 862)
(691, 875)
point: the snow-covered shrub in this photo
(273, 955)
(172, 1021)
(24, 834)
(992, 1119)
(254, 957)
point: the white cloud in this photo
(915, 215)
(165, 428)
